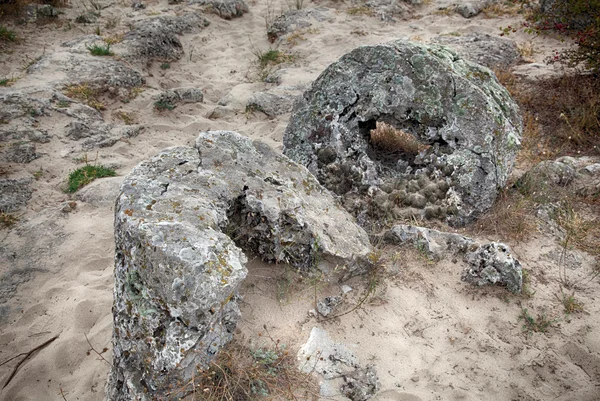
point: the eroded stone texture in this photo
(488, 263)
(14, 193)
(157, 38)
(180, 221)
(293, 20)
(494, 263)
(467, 123)
(488, 50)
(338, 366)
(181, 95)
(226, 9)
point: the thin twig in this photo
(63, 394)
(27, 356)
(94, 349)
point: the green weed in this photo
(99, 50)
(84, 175)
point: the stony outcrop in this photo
(389, 10)
(464, 126)
(489, 263)
(494, 263)
(488, 50)
(183, 221)
(271, 104)
(14, 193)
(157, 38)
(181, 95)
(338, 367)
(470, 9)
(293, 20)
(226, 9)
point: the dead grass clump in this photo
(565, 109)
(495, 10)
(242, 373)
(511, 218)
(86, 94)
(390, 139)
(7, 219)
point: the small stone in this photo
(414, 379)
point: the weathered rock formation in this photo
(180, 221)
(488, 50)
(226, 9)
(464, 126)
(490, 263)
(338, 367)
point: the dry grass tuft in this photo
(390, 139)
(511, 218)
(242, 373)
(565, 109)
(7, 219)
(85, 93)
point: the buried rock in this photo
(493, 263)
(226, 9)
(404, 126)
(490, 263)
(180, 221)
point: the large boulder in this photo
(180, 221)
(446, 139)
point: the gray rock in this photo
(389, 10)
(337, 365)
(270, 103)
(435, 244)
(38, 136)
(14, 193)
(327, 305)
(88, 17)
(180, 221)
(157, 38)
(20, 152)
(17, 104)
(138, 5)
(472, 8)
(493, 263)
(101, 73)
(34, 11)
(464, 123)
(181, 95)
(488, 50)
(361, 384)
(98, 134)
(101, 193)
(292, 20)
(226, 9)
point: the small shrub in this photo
(84, 175)
(128, 118)
(390, 139)
(7, 81)
(162, 105)
(7, 219)
(165, 66)
(570, 303)
(578, 19)
(99, 50)
(7, 35)
(540, 324)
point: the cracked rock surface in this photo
(183, 221)
(467, 125)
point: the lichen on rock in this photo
(466, 121)
(183, 221)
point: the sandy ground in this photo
(431, 336)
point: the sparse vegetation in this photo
(7, 219)
(360, 10)
(569, 302)
(7, 81)
(86, 94)
(539, 324)
(7, 35)
(99, 50)
(127, 118)
(86, 174)
(247, 373)
(165, 66)
(162, 105)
